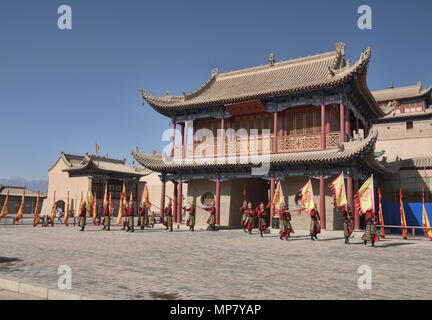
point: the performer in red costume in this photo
(212, 219)
(262, 216)
(315, 226)
(371, 233)
(285, 223)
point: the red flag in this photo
(66, 220)
(403, 221)
(36, 213)
(380, 215)
(21, 209)
(425, 220)
(4, 210)
(94, 209)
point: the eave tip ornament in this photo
(271, 59)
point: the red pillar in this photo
(272, 191)
(275, 131)
(179, 201)
(347, 122)
(174, 208)
(322, 203)
(327, 118)
(162, 203)
(218, 201)
(342, 122)
(356, 212)
(323, 127)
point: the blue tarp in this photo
(413, 215)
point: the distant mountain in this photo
(36, 184)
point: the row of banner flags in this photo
(364, 200)
(90, 204)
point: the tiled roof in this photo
(347, 150)
(78, 163)
(18, 191)
(402, 93)
(418, 162)
(286, 77)
(393, 115)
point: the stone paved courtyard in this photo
(227, 264)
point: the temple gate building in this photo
(288, 121)
(78, 174)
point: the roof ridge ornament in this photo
(340, 47)
(271, 59)
(215, 72)
(391, 84)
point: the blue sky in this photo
(67, 90)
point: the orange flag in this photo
(122, 199)
(21, 209)
(380, 215)
(403, 221)
(4, 210)
(93, 207)
(53, 211)
(80, 205)
(36, 213)
(425, 220)
(307, 197)
(109, 205)
(105, 198)
(145, 199)
(364, 198)
(66, 220)
(337, 186)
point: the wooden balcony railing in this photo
(255, 145)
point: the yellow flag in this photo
(4, 210)
(53, 211)
(21, 209)
(307, 197)
(425, 220)
(36, 213)
(120, 211)
(337, 186)
(89, 201)
(97, 147)
(278, 198)
(145, 199)
(364, 198)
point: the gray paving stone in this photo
(228, 264)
